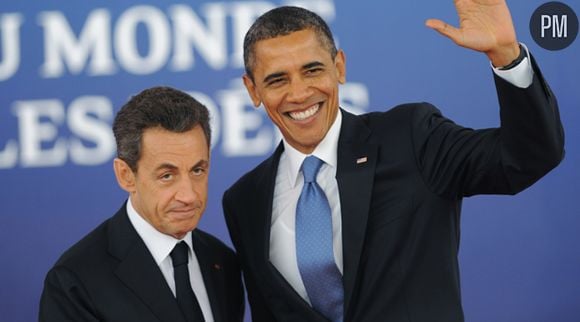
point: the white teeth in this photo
(299, 116)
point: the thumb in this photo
(444, 29)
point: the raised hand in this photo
(485, 26)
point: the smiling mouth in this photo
(303, 115)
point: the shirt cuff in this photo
(521, 75)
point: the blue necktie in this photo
(314, 251)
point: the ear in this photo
(124, 174)
(340, 64)
(251, 88)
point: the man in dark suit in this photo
(124, 269)
(390, 184)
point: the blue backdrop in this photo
(66, 67)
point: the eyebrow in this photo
(200, 163)
(312, 65)
(167, 166)
(280, 74)
(170, 166)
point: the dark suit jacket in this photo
(110, 275)
(400, 209)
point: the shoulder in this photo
(89, 255)
(400, 113)
(211, 241)
(396, 123)
(83, 262)
(91, 246)
(255, 180)
(215, 249)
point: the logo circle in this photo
(554, 26)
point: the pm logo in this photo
(554, 26)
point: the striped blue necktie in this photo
(314, 251)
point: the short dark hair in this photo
(161, 106)
(282, 21)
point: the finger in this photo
(445, 29)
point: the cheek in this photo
(272, 100)
(201, 189)
(330, 87)
(163, 200)
(275, 117)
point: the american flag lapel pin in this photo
(361, 160)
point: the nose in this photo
(299, 91)
(186, 192)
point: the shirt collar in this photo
(158, 243)
(326, 151)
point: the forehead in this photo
(303, 44)
(180, 149)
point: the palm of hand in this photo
(484, 25)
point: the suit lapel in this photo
(355, 176)
(266, 180)
(259, 206)
(213, 278)
(138, 270)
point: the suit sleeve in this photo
(258, 306)
(65, 299)
(456, 161)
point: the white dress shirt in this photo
(160, 246)
(289, 183)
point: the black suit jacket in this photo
(401, 208)
(110, 275)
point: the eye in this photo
(198, 171)
(168, 176)
(276, 82)
(314, 71)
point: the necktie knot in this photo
(179, 254)
(310, 168)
